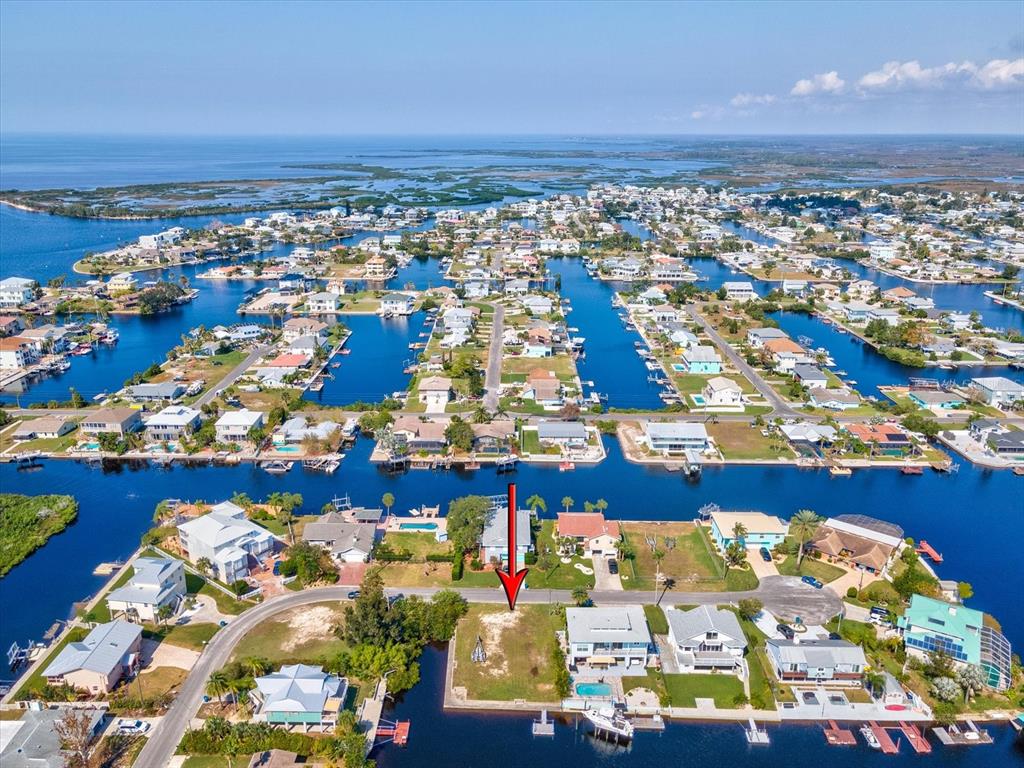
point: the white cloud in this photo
(826, 82)
(707, 112)
(896, 75)
(751, 99)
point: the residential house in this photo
(590, 530)
(397, 304)
(888, 439)
(544, 388)
(739, 290)
(117, 421)
(323, 302)
(493, 437)
(494, 542)
(611, 639)
(565, 434)
(32, 740)
(15, 291)
(761, 530)
(706, 639)
(415, 435)
(172, 423)
(99, 662)
(17, 352)
(785, 353)
(123, 281)
(675, 437)
(998, 391)
(757, 337)
(722, 392)
(861, 541)
(299, 694)
(435, 392)
(820, 662)
(834, 399)
(297, 327)
(811, 376)
(154, 393)
(702, 359)
(1006, 444)
(347, 542)
(929, 625)
(297, 428)
(234, 426)
(537, 305)
(156, 582)
(226, 538)
(44, 428)
(936, 399)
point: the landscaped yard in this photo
(530, 443)
(689, 561)
(562, 365)
(419, 544)
(305, 634)
(518, 645)
(810, 567)
(683, 690)
(656, 619)
(563, 575)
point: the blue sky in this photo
(444, 68)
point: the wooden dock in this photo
(888, 745)
(924, 548)
(917, 739)
(837, 736)
(954, 736)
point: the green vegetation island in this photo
(26, 522)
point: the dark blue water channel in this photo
(117, 507)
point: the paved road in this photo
(492, 380)
(781, 407)
(785, 596)
(235, 372)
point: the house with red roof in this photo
(597, 535)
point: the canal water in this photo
(470, 739)
(116, 507)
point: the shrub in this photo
(851, 593)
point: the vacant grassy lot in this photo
(683, 690)
(687, 561)
(305, 634)
(562, 365)
(656, 619)
(740, 441)
(418, 574)
(419, 544)
(518, 644)
(192, 636)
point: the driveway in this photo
(492, 377)
(604, 579)
(156, 654)
(758, 565)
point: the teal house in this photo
(931, 625)
(702, 359)
(299, 694)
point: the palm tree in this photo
(658, 555)
(536, 502)
(257, 666)
(580, 596)
(163, 613)
(739, 531)
(388, 499)
(803, 526)
(204, 566)
(600, 505)
(216, 685)
(567, 501)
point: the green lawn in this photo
(761, 688)
(683, 690)
(656, 619)
(419, 544)
(530, 443)
(741, 441)
(101, 613)
(810, 567)
(192, 636)
(213, 761)
(225, 604)
(27, 522)
(518, 644)
(691, 562)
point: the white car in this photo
(132, 727)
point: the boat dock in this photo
(837, 736)
(888, 746)
(955, 736)
(924, 548)
(917, 739)
(543, 727)
(654, 723)
(756, 735)
(375, 726)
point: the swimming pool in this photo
(417, 526)
(287, 449)
(593, 689)
(678, 367)
(698, 400)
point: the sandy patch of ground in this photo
(492, 627)
(309, 624)
(156, 654)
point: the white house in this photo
(675, 437)
(706, 639)
(607, 638)
(156, 582)
(234, 426)
(998, 391)
(821, 662)
(739, 290)
(123, 281)
(435, 392)
(323, 302)
(227, 539)
(347, 542)
(397, 304)
(15, 291)
(722, 392)
(172, 423)
(299, 694)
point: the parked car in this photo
(613, 567)
(834, 636)
(786, 631)
(353, 594)
(812, 581)
(132, 727)
(765, 554)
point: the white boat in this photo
(609, 722)
(276, 467)
(869, 737)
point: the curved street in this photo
(785, 596)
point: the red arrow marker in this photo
(512, 583)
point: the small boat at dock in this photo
(869, 737)
(277, 467)
(609, 722)
(912, 470)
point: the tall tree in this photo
(803, 526)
